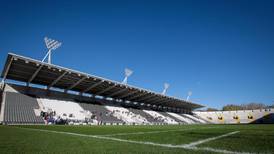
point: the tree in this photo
(248, 106)
(253, 106)
(232, 107)
(211, 109)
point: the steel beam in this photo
(92, 86)
(144, 98)
(137, 96)
(128, 94)
(154, 99)
(105, 90)
(164, 101)
(34, 74)
(117, 92)
(56, 80)
(76, 83)
(7, 70)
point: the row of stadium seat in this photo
(102, 113)
(22, 109)
(235, 117)
(126, 115)
(148, 117)
(195, 119)
(19, 109)
(160, 117)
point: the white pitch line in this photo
(210, 139)
(222, 151)
(184, 146)
(155, 132)
(99, 137)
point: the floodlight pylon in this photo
(166, 86)
(51, 45)
(128, 73)
(188, 95)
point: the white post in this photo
(188, 95)
(125, 80)
(166, 86)
(49, 58)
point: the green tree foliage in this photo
(231, 107)
(248, 106)
(211, 109)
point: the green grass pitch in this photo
(137, 139)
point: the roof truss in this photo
(25, 69)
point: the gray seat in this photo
(101, 112)
(19, 109)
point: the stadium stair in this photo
(127, 116)
(160, 117)
(102, 113)
(171, 117)
(145, 115)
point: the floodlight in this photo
(188, 95)
(128, 73)
(51, 45)
(166, 86)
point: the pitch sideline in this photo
(183, 146)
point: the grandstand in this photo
(238, 117)
(50, 94)
(56, 94)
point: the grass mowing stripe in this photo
(155, 132)
(184, 146)
(252, 138)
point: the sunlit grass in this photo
(252, 138)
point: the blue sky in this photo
(221, 50)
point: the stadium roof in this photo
(32, 71)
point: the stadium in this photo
(51, 101)
(131, 77)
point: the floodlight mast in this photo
(188, 95)
(128, 73)
(51, 45)
(166, 86)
